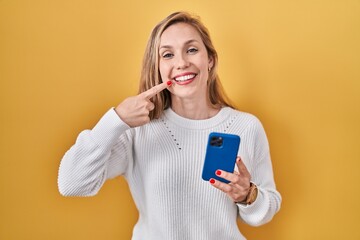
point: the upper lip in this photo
(184, 74)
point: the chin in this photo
(186, 93)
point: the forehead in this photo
(179, 33)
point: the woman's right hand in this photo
(134, 111)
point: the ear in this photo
(211, 62)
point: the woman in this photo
(157, 141)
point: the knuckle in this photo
(236, 195)
(145, 106)
(228, 189)
(236, 179)
(219, 185)
(154, 90)
(147, 120)
(151, 106)
(225, 174)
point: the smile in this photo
(185, 78)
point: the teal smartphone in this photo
(221, 152)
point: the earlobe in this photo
(211, 63)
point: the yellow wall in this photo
(295, 64)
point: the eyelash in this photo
(190, 50)
(168, 55)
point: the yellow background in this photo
(294, 64)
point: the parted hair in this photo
(150, 75)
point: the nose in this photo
(182, 62)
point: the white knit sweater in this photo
(162, 162)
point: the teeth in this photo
(184, 78)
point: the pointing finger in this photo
(155, 90)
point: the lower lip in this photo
(186, 82)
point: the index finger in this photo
(155, 90)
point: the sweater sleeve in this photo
(268, 201)
(97, 155)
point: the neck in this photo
(195, 110)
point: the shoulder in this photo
(245, 117)
(244, 123)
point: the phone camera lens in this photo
(216, 141)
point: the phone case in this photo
(221, 153)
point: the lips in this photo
(185, 78)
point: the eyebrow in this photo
(186, 43)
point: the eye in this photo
(192, 50)
(167, 55)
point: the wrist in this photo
(251, 196)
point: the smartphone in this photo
(221, 152)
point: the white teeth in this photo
(184, 78)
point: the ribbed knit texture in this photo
(162, 162)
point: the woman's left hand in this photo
(239, 185)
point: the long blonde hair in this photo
(150, 75)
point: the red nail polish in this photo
(218, 172)
(169, 83)
(212, 181)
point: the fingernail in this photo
(212, 181)
(169, 83)
(218, 172)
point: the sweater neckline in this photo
(187, 123)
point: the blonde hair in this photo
(150, 75)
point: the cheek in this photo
(164, 71)
(204, 70)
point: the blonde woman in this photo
(157, 141)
